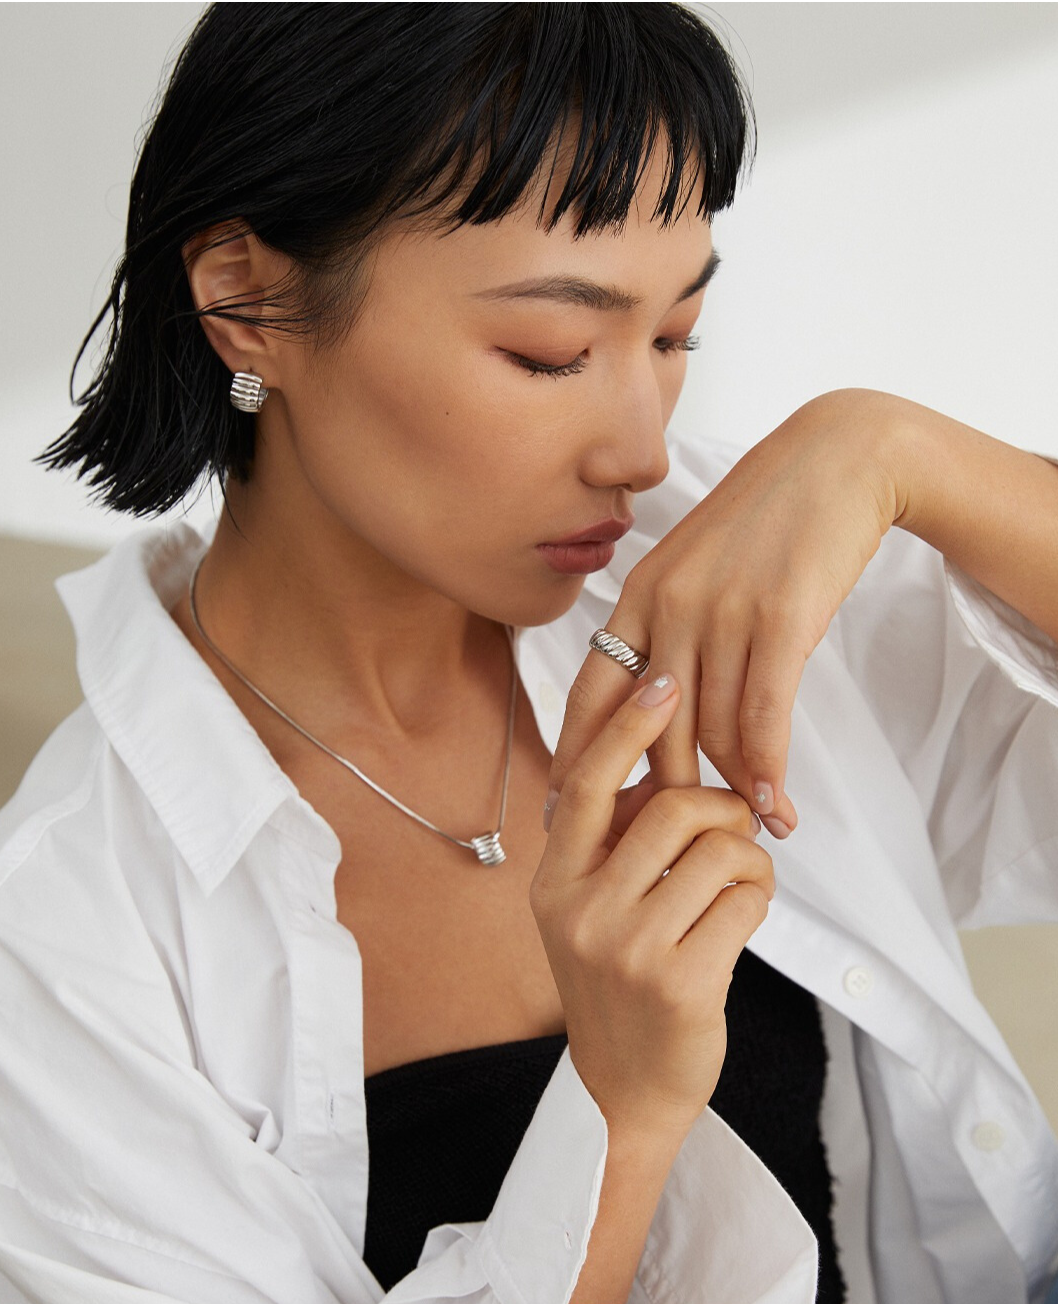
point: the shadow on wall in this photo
(1010, 967)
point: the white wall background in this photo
(899, 231)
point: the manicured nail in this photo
(549, 808)
(658, 691)
(775, 826)
(756, 823)
(763, 798)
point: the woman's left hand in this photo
(736, 597)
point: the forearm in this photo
(635, 1173)
(990, 508)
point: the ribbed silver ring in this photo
(603, 641)
(247, 392)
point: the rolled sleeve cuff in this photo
(707, 1240)
(725, 1229)
(535, 1240)
(1023, 651)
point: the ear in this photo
(231, 268)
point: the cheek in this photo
(420, 450)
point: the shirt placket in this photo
(326, 997)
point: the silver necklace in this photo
(486, 846)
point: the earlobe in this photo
(228, 269)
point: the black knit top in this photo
(443, 1131)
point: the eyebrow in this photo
(590, 294)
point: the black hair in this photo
(315, 125)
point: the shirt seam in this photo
(1010, 866)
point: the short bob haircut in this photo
(316, 126)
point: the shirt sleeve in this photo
(126, 1178)
(966, 690)
(963, 687)
(704, 1242)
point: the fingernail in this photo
(549, 808)
(775, 826)
(658, 691)
(756, 823)
(763, 798)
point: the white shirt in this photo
(181, 1061)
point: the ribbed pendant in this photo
(488, 849)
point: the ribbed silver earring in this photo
(247, 392)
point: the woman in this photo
(452, 256)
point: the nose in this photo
(629, 451)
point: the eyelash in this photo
(572, 368)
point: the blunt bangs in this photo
(318, 126)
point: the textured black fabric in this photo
(443, 1131)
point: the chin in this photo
(533, 605)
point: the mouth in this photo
(585, 550)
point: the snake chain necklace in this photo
(486, 846)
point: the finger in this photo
(581, 820)
(723, 680)
(600, 687)
(627, 805)
(712, 945)
(772, 678)
(666, 828)
(674, 757)
(783, 819)
(714, 860)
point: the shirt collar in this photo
(198, 760)
(201, 765)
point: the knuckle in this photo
(579, 786)
(720, 846)
(579, 935)
(634, 964)
(715, 736)
(582, 697)
(761, 723)
(748, 906)
(666, 744)
(775, 612)
(669, 990)
(729, 611)
(669, 803)
(540, 898)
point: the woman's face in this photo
(434, 432)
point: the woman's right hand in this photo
(642, 959)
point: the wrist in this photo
(907, 446)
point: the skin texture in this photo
(404, 476)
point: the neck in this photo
(318, 619)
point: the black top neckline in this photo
(546, 1045)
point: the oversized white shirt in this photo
(181, 1061)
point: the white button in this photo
(550, 698)
(569, 1241)
(988, 1136)
(858, 981)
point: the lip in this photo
(586, 550)
(608, 531)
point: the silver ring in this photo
(603, 641)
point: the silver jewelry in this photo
(247, 392)
(486, 846)
(603, 641)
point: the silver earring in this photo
(247, 392)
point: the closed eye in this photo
(557, 370)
